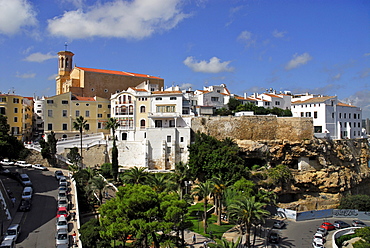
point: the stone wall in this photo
(255, 127)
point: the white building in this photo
(330, 117)
(152, 131)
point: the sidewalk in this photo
(188, 235)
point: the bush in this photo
(359, 202)
(106, 170)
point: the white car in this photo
(23, 164)
(62, 223)
(6, 162)
(13, 232)
(61, 237)
(318, 243)
(39, 167)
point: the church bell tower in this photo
(64, 69)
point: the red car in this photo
(62, 211)
(328, 226)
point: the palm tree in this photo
(113, 124)
(158, 182)
(218, 190)
(223, 243)
(136, 175)
(247, 210)
(179, 176)
(80, 125)
(203, 190)
(98, 185)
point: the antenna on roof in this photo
(65, 46)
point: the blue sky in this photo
(316, 46)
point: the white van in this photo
(7, 243)
(27, 193)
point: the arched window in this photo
(120, 100)
(142, 109)
(67, 63)
(124, 98)
(62, 63)
(142, 124)
(124, 136)
(130, 110)
(129, 99)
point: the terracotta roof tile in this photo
(122, 73)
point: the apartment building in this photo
(331, 118)
(61, 111)
(19, 111)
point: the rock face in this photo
(321, 167)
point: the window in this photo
(142, 124)
(64, 113)
(168, 139)
(158, 123)
(277, 103)
(15, 119)
(77, 113)
(340, 115)
(124, 136)
(181, 139)
(318, 129)
(15, 110)
(165, 109)
(100, 115)
(172, 123)
(100, 106)
(87, 126)
(302, 114)
(77, 104)
(64, 102)
(49, 101)
(15, 100)
(38, 111)
(2, 111)
(92, 89)
(214, 99)
(158, 98)
(87, 104)
(15, 130)
(105, 90)
(181, 150)
(308, 114)
(50, 113)
(315, 114)
(50, 126)
(99, 125)
(173, 98)
(332, 115)
(64, 126)
(109, 106)
(345, 115)
(168, 149)
(2, 99)
(142, 109)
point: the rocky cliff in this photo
(323, 169)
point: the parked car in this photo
(278, 224)
(62, 211)
(27, 193)
(358, 223)
(321, 230)
(317, 243)
(4, 171)
(63, 181)
(39, 167)
(13, 231)
(6, 161)
(58, 174)
(62, 195)
(62, 223)
(63, 188)
(25, 205)
(328, 226)
(63, 202)
(340, 224)
(61, 237)
(319, 236)
(23, 164)
(7, 243)
(274, 237)
(25, 180)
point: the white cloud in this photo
(247, 38)
(39, 57)
(25, 75)
(279, 34)
(14, 15)
(360, 99)
(123, 19)
(298, 60)
(186, 86)
(213, 66)
(366, 54)
(52, 77)
(336, 77)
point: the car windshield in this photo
(62, 202)
(62, 212)
(62, 236)
(11, 232)
(27, 193)
(62, 194)
(25, 179)
(62, 223)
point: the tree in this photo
(209, 157)
(113, 124)
(158, 182)
(223, 243)
(139, 211)
(359, 202)
(179, 176)
(49, 148)
(233, 104)
(203, 191)
(90, 236)
(80, 125)
(10, 147)
(75, 158)
(247, 211)
(135, 175)
(218, 189)
(280, 174)
(98, 185)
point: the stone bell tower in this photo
(64, 69)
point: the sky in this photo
(315, 46)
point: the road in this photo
(38, 225)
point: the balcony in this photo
(163, 115)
